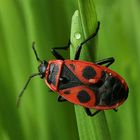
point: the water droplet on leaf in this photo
(77, 35)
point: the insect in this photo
(91, 85)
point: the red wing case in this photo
(91, 86)
(80, 76)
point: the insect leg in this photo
(60, 99)
(78, 51)
(115, 109)
(89, 113)
(55, 52)
(107, 61)
(25, 86)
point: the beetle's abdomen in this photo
(110, 92)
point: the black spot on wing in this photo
(83, 96)
(88, 72)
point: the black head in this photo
(42, 68)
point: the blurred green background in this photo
(40, 116)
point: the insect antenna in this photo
(25, 86)
(38, 59)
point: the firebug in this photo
(91, 85)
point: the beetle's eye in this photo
(41, 68)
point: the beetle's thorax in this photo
(52, 74)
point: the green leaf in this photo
(84, 23)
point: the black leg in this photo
(78, 51)
(60, 99)
(25, 86)
(115, 109)
(89, 113)
(56, 54)
(107, 61)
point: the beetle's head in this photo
(42, 68)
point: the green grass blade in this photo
(83, 24)
(47, 23)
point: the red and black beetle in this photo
(88, 84)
